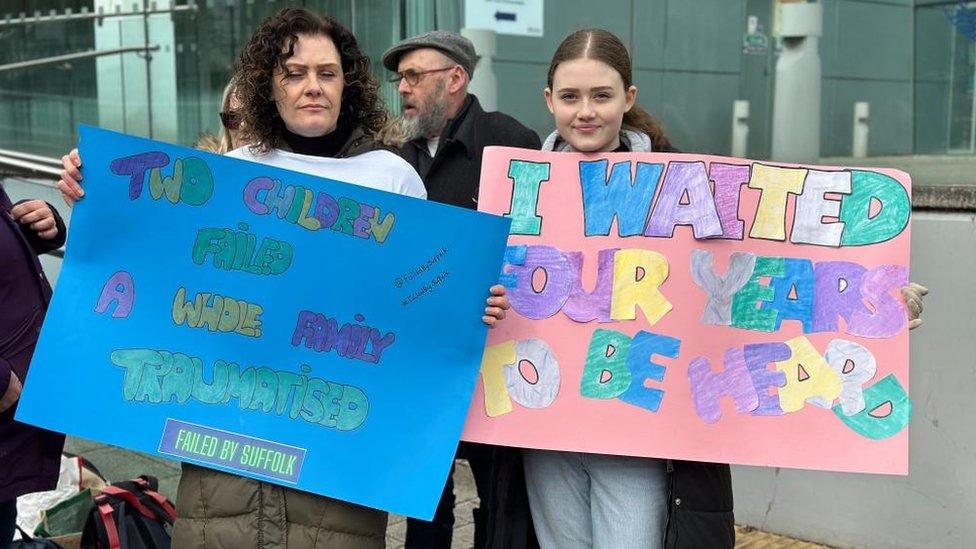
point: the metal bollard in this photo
(862, 111)
(740, 128)
(796, 97)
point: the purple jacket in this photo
(30, 458)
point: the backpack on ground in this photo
(130, 515)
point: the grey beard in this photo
(410, 128)
(427, 124)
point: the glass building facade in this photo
(913, 61)
(170, 92)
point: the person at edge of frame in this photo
(31, 457)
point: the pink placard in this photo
(700, 308)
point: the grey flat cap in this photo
(455, 46)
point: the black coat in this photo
(452, 176)
(30, 458)
(699, 506)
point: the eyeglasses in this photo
(230, 119)
(413, 76)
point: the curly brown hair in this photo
(604, 46)
(272, 44)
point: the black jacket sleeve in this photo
(512, 133)
(530, 140)
(41, 245)
(5, 369)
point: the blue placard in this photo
(191, 323)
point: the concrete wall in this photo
(935, 504)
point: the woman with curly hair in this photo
(308, 103)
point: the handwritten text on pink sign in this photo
(700, 308)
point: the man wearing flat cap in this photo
(446, 131)
(446, 128)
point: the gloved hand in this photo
(914, 294)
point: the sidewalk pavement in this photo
(118, 464)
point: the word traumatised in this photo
(160, 376)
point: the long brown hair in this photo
(272, 44)
(604, 46)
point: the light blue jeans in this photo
(584, 501)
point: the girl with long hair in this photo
(581, 500)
